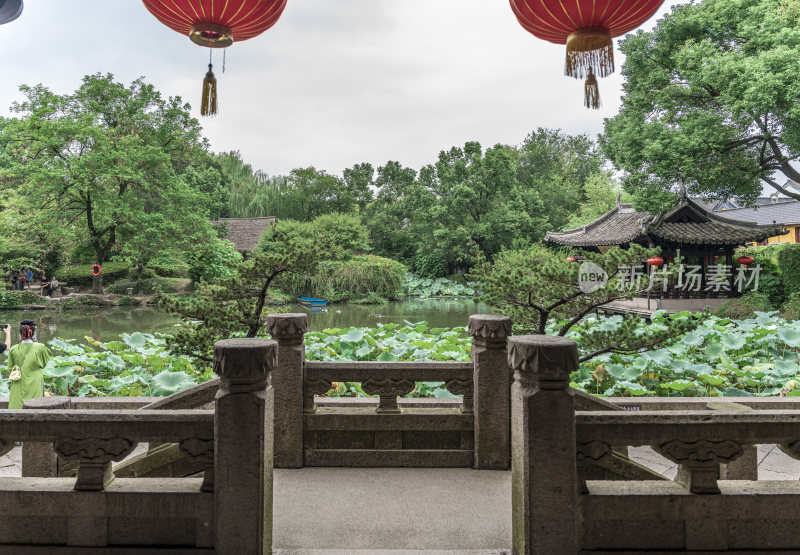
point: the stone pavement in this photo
(408, 511)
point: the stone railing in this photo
(556, 510)
(228, 510)
(392, 430)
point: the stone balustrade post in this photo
(38, 458)
(243, 430)
(287, 385)
(491, 390)
(544, 493)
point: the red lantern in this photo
(655, 261)
(586, 27)
(216, 25)
(745, 260)
(572, 259)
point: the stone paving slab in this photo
(453, 510)
(391, 552)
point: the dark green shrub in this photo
(339, 236)
(744, 306)
(213, 261)
(431, 265)
(16, 299)
(770, 281)
(169, 268)
(341, 280)
(791, 309)
(81, 274)
(147, 286)
(789, 265)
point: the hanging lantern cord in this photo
(591, 91)
(224, 50)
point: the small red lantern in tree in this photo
(745, 260)
(572, 259)
(216, 25)
(586, 27)
(655, 261)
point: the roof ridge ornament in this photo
(619, 197)
(682, 192)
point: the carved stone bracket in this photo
(288, 329)
(489, 329)
(388, 389)
(6, 445)
(465, 388)
(701, 459)
(201, 451)
(94, 456)
(311, 388)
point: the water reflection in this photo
(107, 324)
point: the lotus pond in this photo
(758, 356)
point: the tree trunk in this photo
(97, 285)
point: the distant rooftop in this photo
(245, 232)
(688, 223)
(785, 213)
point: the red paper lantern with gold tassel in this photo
(586, 27)
(216, 24)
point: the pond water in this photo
(107, 324)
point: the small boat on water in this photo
(311, 302)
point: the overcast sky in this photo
(333, 83)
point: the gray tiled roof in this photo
(687, 223)
(786, 213)
(245, 232)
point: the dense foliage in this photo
(15, 299)
(220, 309)
(343, 280)
(81, 275)
(111, 170)
(710, 100)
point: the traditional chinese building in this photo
(704, 241)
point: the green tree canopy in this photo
(557, 166)
(107, 161)
(711, 100)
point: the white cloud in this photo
(333, 83)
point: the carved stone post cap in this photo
(489, 327)
(287, 325)
(243, 360)
(55, 402)
(548, 359)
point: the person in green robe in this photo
(31, 357)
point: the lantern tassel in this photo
(592, 91)
(208, 106)
(589, 48)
